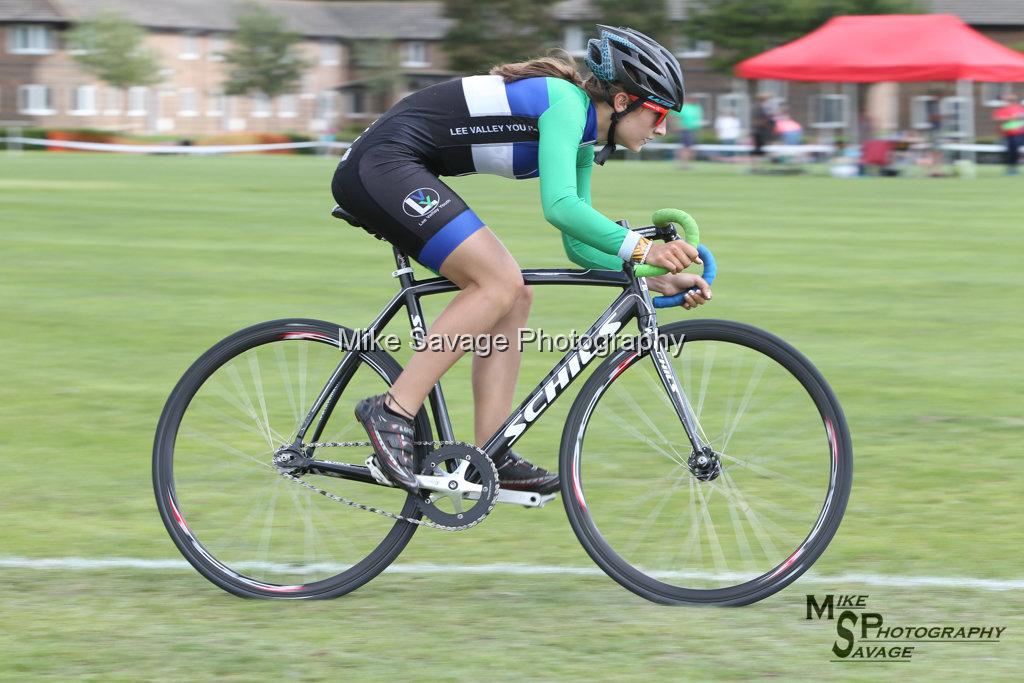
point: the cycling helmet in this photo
(640, 66)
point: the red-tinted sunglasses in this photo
(657, 108)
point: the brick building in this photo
(351, 45)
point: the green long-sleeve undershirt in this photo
(590, 239)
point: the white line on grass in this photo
(840, 580)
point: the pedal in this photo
(376, 473)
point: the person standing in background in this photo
(790, 132)
(764, 128)
(1010, 118)
(691, 118)
(728, 129)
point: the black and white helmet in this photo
(639, 64)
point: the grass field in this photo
(117, 272)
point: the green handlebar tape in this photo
(661, 218)
(691, 231)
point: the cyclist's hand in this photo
(694, 299)
(681, 282)
(674, 256)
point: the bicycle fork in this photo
(703, 462)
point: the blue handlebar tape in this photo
(709, 274)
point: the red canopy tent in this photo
(869, 49)
(894, 47)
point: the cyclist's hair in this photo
(557, 64)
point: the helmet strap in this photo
(606, 151)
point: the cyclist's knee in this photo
(504, 288)
(524, 300)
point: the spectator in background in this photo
(1010, 118)
(727, 129)
(933, 112)
(790, 132)
(764, 128)
(691, 118)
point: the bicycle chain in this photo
(369, 508)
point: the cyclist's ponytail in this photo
(558, 64)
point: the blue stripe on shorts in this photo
(445, 240)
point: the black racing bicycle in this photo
(703, 461)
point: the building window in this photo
(734, 104)
(414, 54)
(955, 113)
(35, 100)
(992, 93)
(260, 106)
(187, 102)
(777, 90)
(922, 110)
(325, 104)
(216, 101)
(574, 42)
(137, 97)
(112, 102)
(691, 48)
(286, 106)
(218, 46)
(330, 53)
(828, 111)
(31, 39)
(189, 46)
(702, 99)
(83, 100)
(358, 101)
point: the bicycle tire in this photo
(197, 388)
(596, 474)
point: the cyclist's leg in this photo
(494, 375)
(491, 283)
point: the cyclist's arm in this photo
(561, 128)
(580, 253)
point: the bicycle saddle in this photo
(344, 215)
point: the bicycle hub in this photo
(704, 464)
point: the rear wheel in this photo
(239, 522)
(634, 497)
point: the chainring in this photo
(461, 503)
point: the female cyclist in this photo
(531, 119)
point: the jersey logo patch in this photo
(420, 202)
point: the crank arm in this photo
(444, 485)
(529, 499)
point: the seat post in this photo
(403, 269)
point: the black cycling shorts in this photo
(389, 188)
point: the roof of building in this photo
(406, 20)
(28, 10)
(983, 12)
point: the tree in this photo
(647, 16)
(498, 31)
(263, 58)
(744, 28)
(110, 47)
(379, 70)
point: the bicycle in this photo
(667, 511)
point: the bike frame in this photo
(633, 302)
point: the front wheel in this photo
(635, 499)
